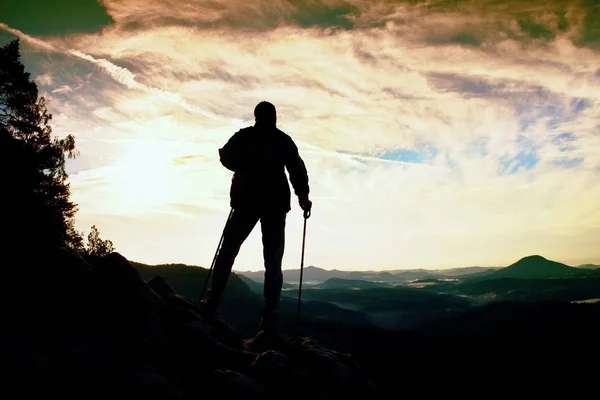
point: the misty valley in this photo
(533, 317)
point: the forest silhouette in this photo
(37, 199)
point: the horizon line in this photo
(375, 270)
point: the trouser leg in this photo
(236, 231)
(273, 237)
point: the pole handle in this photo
(307, 213)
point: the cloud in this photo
(37, 42)
(45, 80)
(62, 89)
(435, 133)
(121, 75)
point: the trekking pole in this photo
(306, 216)
(215, 257)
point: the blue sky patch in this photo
(565, 141)
(568, 162)
(524, 160)
(579, 104)
(551, 109)
(419, 154)
(563, 138)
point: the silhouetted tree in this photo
(36, 193)
(96, 247)
(75, 238)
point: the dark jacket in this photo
(258, 156)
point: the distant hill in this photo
(529, 289)
(537, 267)
(589, 266)
(339, 283)
(412, 274)
(188, 280)
(317, 275)
(241, 305)
(386, 307)
(467, 271)
(485, 272)
(243, 298)
(257, 287)
(310, 274)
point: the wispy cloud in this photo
(30, 39)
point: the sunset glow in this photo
(436, 134)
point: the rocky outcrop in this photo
(87, 330)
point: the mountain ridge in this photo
(536, 266)
(319, 275)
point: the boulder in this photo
(95, 329)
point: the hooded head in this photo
(265, 114)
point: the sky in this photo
(436, 134)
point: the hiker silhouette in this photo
(258, 155)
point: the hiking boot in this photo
(267, 325)
(268, 322)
